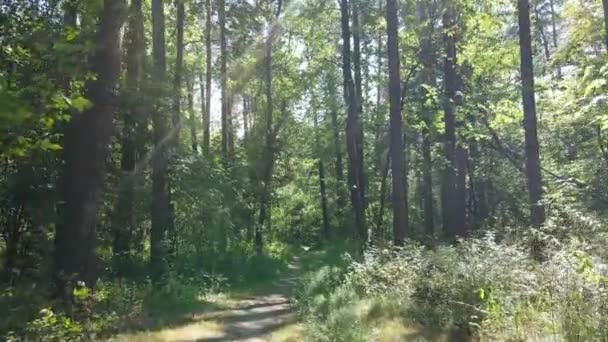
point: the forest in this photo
(303, 170)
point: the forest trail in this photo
(263, 315)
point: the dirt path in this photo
(264, 316)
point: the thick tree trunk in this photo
(207, 97)
(124, 224)
(533, 166)
(162, 219)
(454, 219)
(87, 138)
(400, 214)
(353, 125)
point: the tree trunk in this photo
(454, 219)
(179, 66)
(193, 130)
(427, 58)
(333, 110)
(353, 144)
(605, 6)
(245, 115)
(554, 27)
(124, 224)
(321, 169)
(223, 78)
(400, 214)
(533, 171)
(162, 219)
(87, 138)
(207, 97)
(270, 141)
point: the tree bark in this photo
(533, 166)
(454, 218)
(354, 146)
(179, 66)
(399, 199)
(162, 220)
(86, 148)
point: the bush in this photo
(496, 291)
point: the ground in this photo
(262, 314)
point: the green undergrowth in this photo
(122, 304)
(485, 288)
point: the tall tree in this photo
(162, 219)
(270, 133)
(179, 66)
(207, 97)
(354, 146)
(87, 137)
(132, 117)
(224, 78)
(426, 58)
(333, 110)
(400, 215)
(453, 194)
(533, 168)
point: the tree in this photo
(400, 216)
(533, 167)
(353, 144)
(207, 97)
(162, 219)
(224, 79)
(133, 116)
(426, 58)
(454, 187)
(87, 137)
(605, 7)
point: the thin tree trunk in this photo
(270, 141)
(245, 115)
(207, 97)
(605, 6)
(554, 27)
(193, 128)
(223, 78)
(352, 132)
(321, 169)
(380, 215)
(124, 225)
(400, 214)
(87, 138)
(162, 220)
(179, 66)
(533, 166)
(426, 58)
(333, 110)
